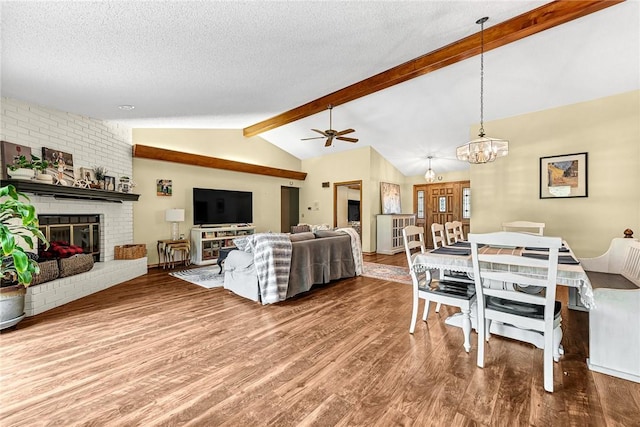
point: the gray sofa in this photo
(316, 258)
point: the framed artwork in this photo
(564, 176)
(110, 183)
(87, 174)
(63, 172)
(390, 198)
(9, 151)
(163, 187)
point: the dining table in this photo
(455, 259)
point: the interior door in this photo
(444, 203)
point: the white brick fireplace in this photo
(92, 143)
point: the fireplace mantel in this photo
(66, 192)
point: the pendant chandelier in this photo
(484, 149)
(430, 176)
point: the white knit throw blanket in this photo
(356, 248)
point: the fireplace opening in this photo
(74, 231)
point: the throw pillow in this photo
(328, 233)
(298, 237)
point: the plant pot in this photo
(45, 177)
(11, 305)
(20, 173)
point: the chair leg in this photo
(425, 314)
(437, 307)
(548, 362)
(466, 328)
(414, 312)
(480, 328)
(557, 339)
(487, 329)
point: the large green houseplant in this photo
(18, 224)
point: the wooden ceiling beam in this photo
(532, 22)
(154, 153)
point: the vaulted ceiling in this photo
(235, 64)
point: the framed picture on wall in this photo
(564, 176)
(390, 198)
(164, 187)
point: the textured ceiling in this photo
(230, 64)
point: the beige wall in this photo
(608, 129)
(148, 212)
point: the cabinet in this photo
(389, 232)
(206, 242)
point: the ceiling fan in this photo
(330, 134)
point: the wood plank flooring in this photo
(159, 351)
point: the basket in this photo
(134, 251)
(75, 264)
(48, 271)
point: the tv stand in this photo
(208, 240)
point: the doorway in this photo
(289, 208)
(440, 203)
(347, 205)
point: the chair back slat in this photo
(631, 268)
(413, 238)
(525, 227)
(437, 234)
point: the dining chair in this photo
(499, 301)
(524, 227)
(453, 230)
(457, 294)
(437, 233)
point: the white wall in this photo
(148, 217)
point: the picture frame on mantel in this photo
(564, 176)
(9, 151)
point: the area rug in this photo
(386, 272)
(207, 277)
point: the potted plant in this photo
(100, 172)
(21, 168)
(40, 166)
(18, 224)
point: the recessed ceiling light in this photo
(126, 107)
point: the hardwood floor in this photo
(158, 351)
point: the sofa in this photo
(271, 267)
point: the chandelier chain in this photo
(481, 78)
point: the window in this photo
(466, 203)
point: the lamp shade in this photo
(174, 215)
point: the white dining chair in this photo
(453, 230)
(499, 301)
(457, 294)
(525, 227)
(437, 234)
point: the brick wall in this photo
(92, 143)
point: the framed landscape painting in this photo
(564, 176)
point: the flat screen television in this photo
(222, 206)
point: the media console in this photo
(207, 241)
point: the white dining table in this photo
(571, 275)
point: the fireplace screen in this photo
(78, 230)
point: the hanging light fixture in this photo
(430, 176)
(484, 149)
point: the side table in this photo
(168, 249)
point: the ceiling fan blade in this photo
(315, 137)
(346, 131)
(344, 138)
(320, 132)
(329, 142)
